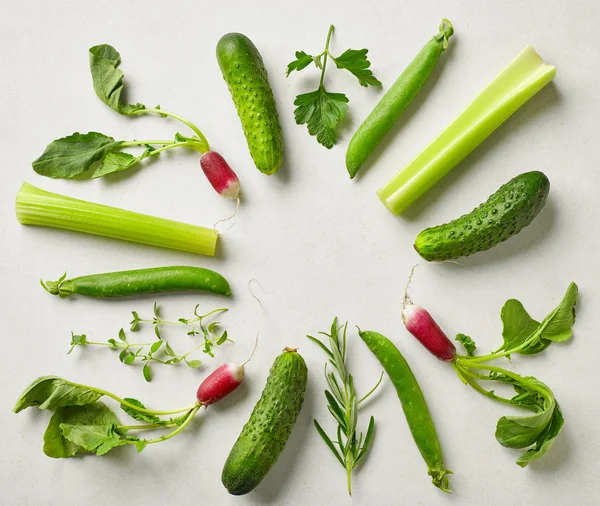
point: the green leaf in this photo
(113, 343)
(356, 62)
(557, 325)
(328, 442)
(467, 342)
(123, 355)
(93, 438)
(129, 359)
(169, 351)
(147, 372)
(156, 311)
(156, 346)
(222, 339)
(108, 79)
(335, 409)
(142, 417)
(321, 345)
(52, 392)
(545, 441)
(115, 162)
(321, 111)
(157, 331)
(368, 439)
(183, 320)
(56, 445)
(212, 326)
(135, 323)
(71, 156)
(122, 336)
(194, 364)
(518, 326)
(302, 61)
(140, 445)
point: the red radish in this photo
(420, 324)
(221, 382)
(220, 175)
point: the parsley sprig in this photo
(321, 110)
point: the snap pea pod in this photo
(153, 280)
(413, 404)
(381, 119)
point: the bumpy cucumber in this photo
(265, 434)
(504, 214)
(246, 77)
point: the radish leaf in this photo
(557, 325)
(51, 392)
(115, 162)
(467, 342)
(93, 438)
(518, 327)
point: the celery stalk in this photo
(39, 207)
(522, 79)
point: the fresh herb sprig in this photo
(321, 110)
(523, 335)
(160, 351)
(75, 154)
(343, 404)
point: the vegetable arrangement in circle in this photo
(81, 423)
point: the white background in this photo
(320, 244)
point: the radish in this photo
(220, 175)
(421, 324)
(221, 382)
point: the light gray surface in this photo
(319, 244)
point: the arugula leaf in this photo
(356, 62)
(52, 392)
(518, 326)
(142, 417)
(115, 162)
(93, 438)
(108, 79)
(321, 111)
(71, 156)
(467, 342)
(56, 445)
(302, 61)
(557, 325)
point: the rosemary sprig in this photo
(160, 351)
(343, 404)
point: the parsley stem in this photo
(186, 122)
(326, 54)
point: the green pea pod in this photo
(396, 100)
(157, 279)
(413, 404)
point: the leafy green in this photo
(115, 162)
(545, 441)
(73, 155)
(58, 446)
(108, 79)
(93, 438)
(52, 392)
(467, 342)
(138, 415)
(518, 326)
(557, 325)
(302, 61)
(321, 111)
(356, 62)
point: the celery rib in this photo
(39, 207)
(516, 84)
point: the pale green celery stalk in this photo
(516, 84)
(39, 207)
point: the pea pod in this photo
(153, 280)
(381, 119)
(413, 404)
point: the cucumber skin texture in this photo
(504, 214)
(412, 400)
(391, 106)
(264, 436)
(159, 279)
(247, 80)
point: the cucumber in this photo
(265, 434)
(246, 78)
(504, 214)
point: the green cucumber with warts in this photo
(264, 436)
(504, 214)
(246, 77)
